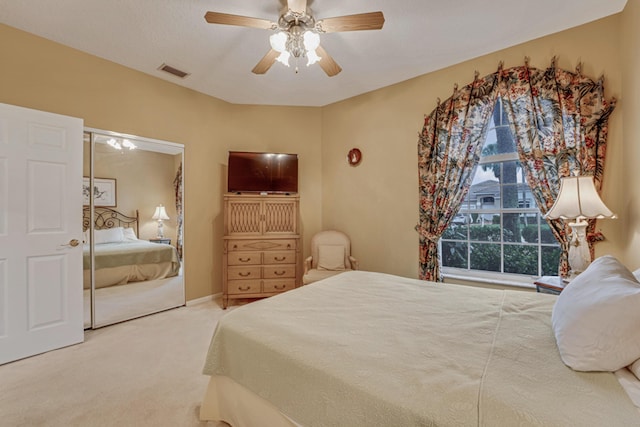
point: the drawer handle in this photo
(244, 288)
(235, 246)
(279, 273)
(244, 259)
(289, 246)
(280, 258)
(247, 274)
(279, 287)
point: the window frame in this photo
(497, 277)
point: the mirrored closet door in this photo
(132, 218)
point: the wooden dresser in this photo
(261, 253)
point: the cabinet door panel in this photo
(244, 217)
(280, 217)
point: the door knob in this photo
(73, 243)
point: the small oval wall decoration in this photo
(354, 157)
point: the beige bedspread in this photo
(130, 261)
(368, 349)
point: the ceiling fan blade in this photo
(298, 6)
(327, 63)
(266, 62)
(361, 21)
(242, 21)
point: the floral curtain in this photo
(448, 151)
(177, 185)
(559, 120)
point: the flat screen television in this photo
(250, 172)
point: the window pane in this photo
(517, 196)
(454, 254)
(504, 140)
(485, 185)
(521, 259)
(485, 231)
(529, 228)
(457, 230)
(499, 227)
(546, 236)
(550, 259)
(489, 148)
(485, 256)
(487, 218)
(509, 180)
(511, 227)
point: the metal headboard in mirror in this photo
(108, 218)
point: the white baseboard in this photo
(203, 299)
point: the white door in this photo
(40, 214)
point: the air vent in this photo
(169, 69)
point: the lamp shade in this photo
(578, 198)
(160, 213)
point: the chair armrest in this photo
(355, 265)
(307, 265)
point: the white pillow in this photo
(129, 234)
(331, 257)
(108, 235)
(635, 368)
(596, 319)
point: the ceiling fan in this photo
(297, 34)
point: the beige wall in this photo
(43, 75)
(144, 180)
(376, 203)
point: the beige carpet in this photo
(145, 372)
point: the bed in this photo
(371, 349)
(119, 256)
(132, 277)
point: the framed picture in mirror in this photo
(104, 192)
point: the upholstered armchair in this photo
(330, 255)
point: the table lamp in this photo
(160, 214)
(578, 200)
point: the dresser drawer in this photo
(244, 258)
(279, 257)
(243, 272)
(236, 287)
(278, 271)
(261, 245)
(278, 285)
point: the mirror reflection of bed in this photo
(128, 271)
(132, 276)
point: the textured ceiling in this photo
(419, 36)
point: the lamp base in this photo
(160, 230)
(579, 255)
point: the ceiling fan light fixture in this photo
(283, 58)
(312, 57)
(278, 41)
(311, 43)
(297, 34)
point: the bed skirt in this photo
(228, 401)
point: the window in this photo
(499, 227)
